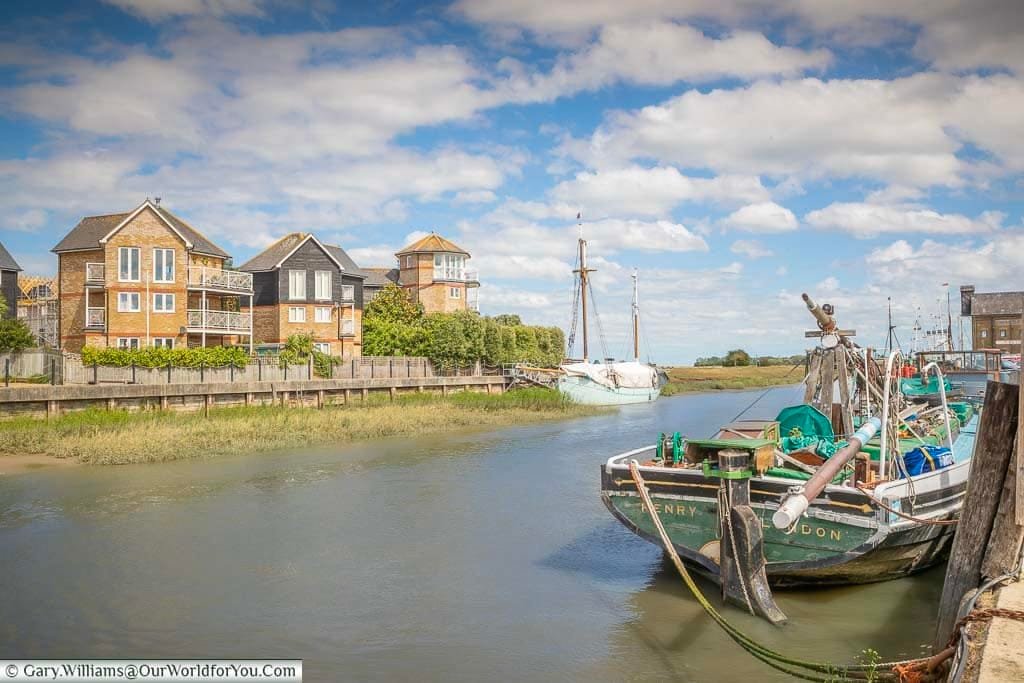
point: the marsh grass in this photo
(120, 437)
(682, 380)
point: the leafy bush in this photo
(15, 335)
(210, 357)
(395, 326)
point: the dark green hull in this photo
(844, 538)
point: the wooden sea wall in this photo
(51, 401)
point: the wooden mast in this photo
(636, 322)
(583, 271)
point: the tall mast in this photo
(583, 271)
(636, 321)
(949, 319)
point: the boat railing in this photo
(942, 394)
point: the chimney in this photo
(966, 299)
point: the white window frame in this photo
(158, 273)
(126, 307)
(295, 277)
(122, 252)
(984, 334)
(408, 261)
(296, 314)
(128, 343)
(321, 289)
(454, 293)
(166, 297)
(322, 347)
(163, 342)
(322, 314)
(1002, 334)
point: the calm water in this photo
(467, 557)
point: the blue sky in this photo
(736, 153)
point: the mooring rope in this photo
(797, 668)
(919, 520)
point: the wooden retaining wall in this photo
(51, 401)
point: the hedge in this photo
(210, 357)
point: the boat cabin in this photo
(969, 369)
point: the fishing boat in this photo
(605, 381)
(860, 489)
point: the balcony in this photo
(234, 281)
(226, 322)
(348, 293)
(95, 273)
(469, 277)
(95, 318)
(347, 328)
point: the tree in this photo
(737, 358)
(15, 335)
(508, 319)
(393, 304)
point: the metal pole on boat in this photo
(636, 321)
(796, 503)
(942, 393)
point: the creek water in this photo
(473, 556)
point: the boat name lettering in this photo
(670, 509)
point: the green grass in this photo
(683, 380)
(120, 437)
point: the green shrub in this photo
(15, 335)
(210, 357)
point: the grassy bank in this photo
(118, 437)
(683, 380)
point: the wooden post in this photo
(366, 394)
(828, 377)
(1005, 542)
(996, 432)
(844, 394)
(51, 409)
(248, 398)
(320, 398)
(348, 396)
(393, 392)
(164, 403)
(207, 399)
(1020, 435)
(812, 377)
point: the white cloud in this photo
(611, 235)
(159, 10)
(761, 217)
(658, 53)
(905, 131)
(655, 191)
(902, 267)
(377, 256)
(752, 249)
(869, 220)
(474, 197)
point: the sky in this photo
(736, 153)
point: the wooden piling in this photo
(992, 454)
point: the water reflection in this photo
(464, 557)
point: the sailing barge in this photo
(780, 503)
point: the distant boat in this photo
(606, 382)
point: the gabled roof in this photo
(997, 303)
(7, 261)
(92, 232)
(432, 243)
(280, 251)
(347, 264)
(380, 277)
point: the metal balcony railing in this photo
(456, 275)
(348, 327)
(95, 273)
(95, 318)
(219, 321)
(201, 277)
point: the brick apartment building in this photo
(147, 278)
(304, 286)
(433, 270)
(995, 318)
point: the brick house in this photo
(147, 278)
(995, 318)
(304, 286)
(433, 271)
(9, 270)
